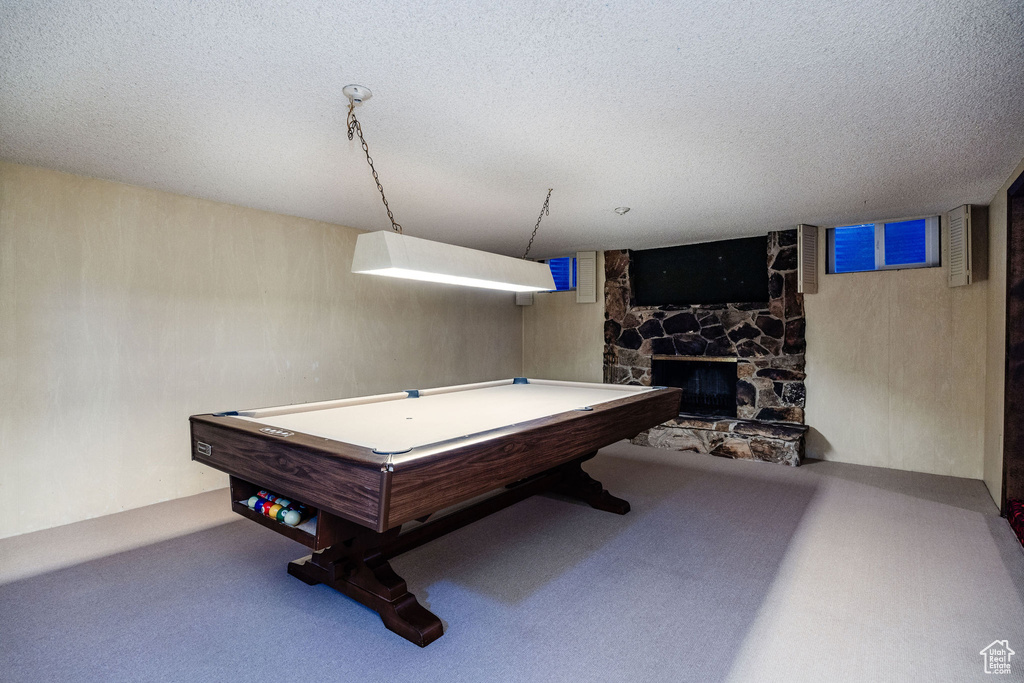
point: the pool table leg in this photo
(358, 569)
(578, 484)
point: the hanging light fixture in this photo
(394, 254)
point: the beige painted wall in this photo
(563, 339)
(995, 356)
(125, 310)
(896, 370)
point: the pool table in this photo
(378, 470)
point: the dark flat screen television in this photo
(724, 272)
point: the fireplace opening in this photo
(709, 386)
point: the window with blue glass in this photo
(563, 270)
(906, 243)
(890, 245)
(854, 248)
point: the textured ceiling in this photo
(709, 119)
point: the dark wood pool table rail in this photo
(425, 482)
(385, 491)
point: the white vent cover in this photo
(959, 220)
(524, 298)
(586, 277)
(807, 259)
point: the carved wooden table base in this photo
(359, 568)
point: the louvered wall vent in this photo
(586, 277)
(959, 246)
(968, 244)
(807, 259)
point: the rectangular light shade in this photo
(394, 255)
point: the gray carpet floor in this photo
(723, 571)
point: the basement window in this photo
(889, 245)
(563, 270)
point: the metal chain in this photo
(354, 127)
(543, 212)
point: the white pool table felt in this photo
(394, 426)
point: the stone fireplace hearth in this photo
(765, 340)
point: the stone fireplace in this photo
(762, 341)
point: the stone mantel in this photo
(709, 359)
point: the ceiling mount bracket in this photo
(356, 94)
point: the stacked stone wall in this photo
(766, 337)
